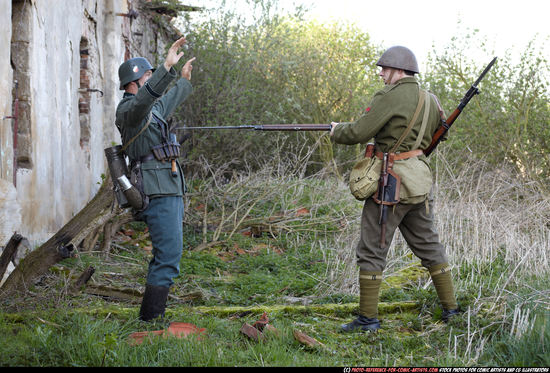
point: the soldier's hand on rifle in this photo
(186, 69)
(333, 125)
(173, 55)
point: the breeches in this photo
(416, 226)
(164, 217)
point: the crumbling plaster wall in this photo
(6, 82)
(73, 49)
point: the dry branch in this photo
(126, 294)
(9, 252)
(61, 245)
(83, 279)
(111, 227)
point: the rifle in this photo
(446, 124)
(383, 183)
(266, 127)
(388, 192)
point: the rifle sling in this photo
(139, 133)
(424, 121)
(421, 100)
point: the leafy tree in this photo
(509, 122)
(276, 69)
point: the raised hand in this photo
(186, 69)
(173, 55)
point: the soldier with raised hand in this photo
(391, 119)
(141, 118)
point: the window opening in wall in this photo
(84, 97)
(20, 58)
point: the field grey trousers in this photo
(416, 224)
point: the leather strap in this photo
(147, 158)
(424, 121)
(421, 100)
(400, 156)
(139, 133)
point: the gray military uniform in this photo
(164, 214)
(133, 113)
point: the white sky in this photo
(507, 24)
(419, 24)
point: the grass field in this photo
(285, 246)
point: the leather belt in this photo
(147, 158)
(400, 156)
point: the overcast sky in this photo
(507, 24)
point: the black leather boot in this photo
(447, 314)
(362, 323)
(153, 303)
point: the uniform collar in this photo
(127, 94)
(408, 79)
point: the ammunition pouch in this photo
(166, 152)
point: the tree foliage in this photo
(276, 69)
(509, 122)
(284, 69)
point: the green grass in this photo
(290, 275)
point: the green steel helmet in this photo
(133, 69)
(399, 57)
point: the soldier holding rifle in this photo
(402, 119)
(406, 123)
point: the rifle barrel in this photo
(446, 124)
(266, 127)
(295, 127)
(216, 128)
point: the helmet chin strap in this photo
(389, 80)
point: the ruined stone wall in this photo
(6, 99)
(10, 211)
(64, 56)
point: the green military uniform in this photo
(141, 119)
(385, 120)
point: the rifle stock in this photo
(446, 124)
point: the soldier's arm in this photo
(178, 94)
(366, 127)
(139, 106)
(153, 89)
(174, 97)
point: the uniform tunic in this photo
(164, 214)
(385, 120)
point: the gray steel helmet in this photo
(399, 57)
(133, 69)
